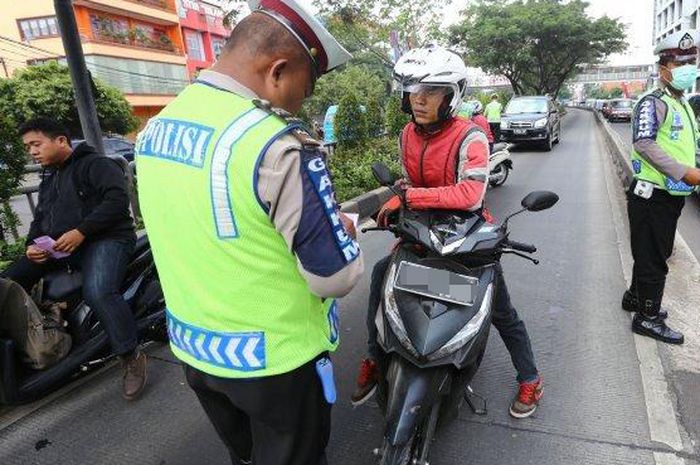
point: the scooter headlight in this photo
(468, 331)
(391, 310)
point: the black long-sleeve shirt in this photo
(87, 192)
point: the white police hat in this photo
(324, 50)
(679, 45)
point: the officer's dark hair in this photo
(46, 126)
(263, 35)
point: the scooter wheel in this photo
(398, 455)
(499, 175)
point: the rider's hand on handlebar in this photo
(37, 255)
(392, 206)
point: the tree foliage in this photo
(47, 90)
(396, 119)
(536, 44)
(12, 160)
(355, 79)
(351, 122)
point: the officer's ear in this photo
(277, 70)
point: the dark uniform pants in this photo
(496, 131)
(653, 225)
(277, 420)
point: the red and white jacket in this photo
(447, 169)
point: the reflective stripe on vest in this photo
(220, 196)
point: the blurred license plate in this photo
(520, 132)
(435, 283)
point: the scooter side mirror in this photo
(383, 175)
(539, 200)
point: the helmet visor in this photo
(429, 90)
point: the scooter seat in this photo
(499, 146)
(58, 285)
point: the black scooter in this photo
(141, 290)
(436, 316)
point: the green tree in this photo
(47, 90)
(375, 118)
(396, 119)
(536, 44)
(330, 88)
(351, 122)
(12, 160)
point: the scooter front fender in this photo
(411, 391)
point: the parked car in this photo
(620, 109)
(114, 145)
(694, 101)
(531, 119)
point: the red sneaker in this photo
(367, 380)
(527, 399)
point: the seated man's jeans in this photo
(103, 265)
(504, 318)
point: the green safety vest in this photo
(493, 112)
(237, 306)
(676, 135)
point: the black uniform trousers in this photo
(276, 420)
(653, 223)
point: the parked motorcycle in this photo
(435, 318)
(500, 164)
(91, 348)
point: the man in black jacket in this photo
(84, 206)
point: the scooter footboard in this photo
(411, 392)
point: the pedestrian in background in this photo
(492, 112)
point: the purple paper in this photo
(46, 243)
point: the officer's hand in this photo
(37, 255)
(69, 241)
(349, 225)
(692, 177)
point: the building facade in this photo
(133, 45)
(203, 32)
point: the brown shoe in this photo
(134, 369)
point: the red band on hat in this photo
(302, 29)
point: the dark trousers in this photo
(496, 131)
(278, 420)
(103, 265)
(505, 318)
(653, 225)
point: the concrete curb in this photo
(367, 204)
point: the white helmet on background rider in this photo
(430, 67)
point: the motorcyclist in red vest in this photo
(445, 161)
(480, 120)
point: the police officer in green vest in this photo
(665, 136)
(492, 112)
(249, 243)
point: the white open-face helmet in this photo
(679, 46)
(430, 68)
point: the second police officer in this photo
(665, 138)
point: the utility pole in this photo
(79, 74)
(4, 67)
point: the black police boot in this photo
(630, 303)
(648, 322)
